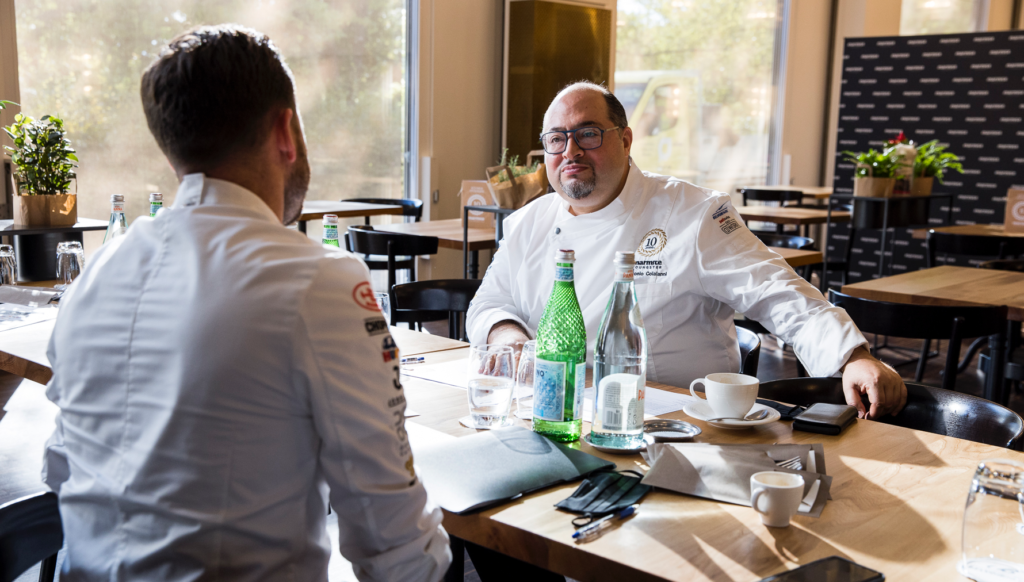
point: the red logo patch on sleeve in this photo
(363, 296)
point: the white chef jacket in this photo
(216, 373)
(696, 264)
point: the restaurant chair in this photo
(398, 251)
(449, 297)
(30, 534)
(410, 207)
(750, 351)
(1015, 362)
(948, 243)
(782, 197)
(1004, 265)
(927, 322)
(745, 323)
(928, 409)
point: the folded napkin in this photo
(722, 472)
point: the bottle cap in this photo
(156, 197)
(116, 198)
(564, 256)
(623, 258)
(331, 219)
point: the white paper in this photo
(14, 316)
(453, 373)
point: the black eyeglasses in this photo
(587, 138)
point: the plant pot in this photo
(922, 186)
(46, 210)
(873, 187)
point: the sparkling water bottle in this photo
(117, 225)
(560, 370)
(331, 230)
(156, 202)
(620, 365)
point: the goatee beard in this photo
(579, 189)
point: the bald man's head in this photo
(616, 112)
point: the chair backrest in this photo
(30, 533)
(947, 243)
(954, 323)
(780, 196)
(366, 241)
(1004, 265)
(789, 241)
(750, 351)
(410, 206)
(928, 409)
(429, 297)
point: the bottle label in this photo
(626, 275)
(154, 206)
(563, 274)
(330, 233)
(549, 390)
(621, 404)
(581, 385)
(117, 208)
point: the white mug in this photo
(776, 496)
(729, 395)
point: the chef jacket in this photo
(216, 374)
(696, 264)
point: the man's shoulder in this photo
(682, 196)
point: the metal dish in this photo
(615, 451)
(666, 431)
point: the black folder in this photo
(470, 473)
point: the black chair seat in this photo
(449, 298)
(410, 206)
(928, 409)
(947, 243)
(1004, 265)
(30, 533)
(787, 241)
(750, 351)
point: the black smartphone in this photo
(833, 569)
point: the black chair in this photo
(783, 197)
(30, 533)
(927, 322)
(391, 245)
(947, 243)
(1015, 362)
(1004, 265)
(758, 329)
(452, 296)
(410, 206)
(750, 351)
(787, 241)
(928, 409)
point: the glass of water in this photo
(524, 381)
(384, 303)
(993, 535)
(491, 379)
(70, 262)
(8, 266)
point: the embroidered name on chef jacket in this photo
(725, 220)
(649, 262)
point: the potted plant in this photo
(43, 169)
(875, 175)
(931, 163)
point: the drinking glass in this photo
(8, 266)
(993, 535)
(491, 379)
(524, 381)
(384, 303)
(70, 262)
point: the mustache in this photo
(578, 163)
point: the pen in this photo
(595, 529)
(413, 360)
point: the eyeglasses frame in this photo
(573, 132)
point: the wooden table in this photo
(897, 507)
(967, 229)
(790, 215)
(797, 257)
(449, 234)
(816, 192)
(316, 209)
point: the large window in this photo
(696, 78)
(82, 60)
(943, 16)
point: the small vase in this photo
(46, 210)
(922, 186)
(873, 187)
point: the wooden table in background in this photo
(798, 258)
(449, 236)
(816, 192)
(316, 209)
(790, 215)
(967, 229)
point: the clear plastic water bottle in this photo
(620, 365)
(331, 230)
(117, 225)
(156, 202)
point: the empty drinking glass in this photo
(70, 262)
(524, 381)
(8, 266)
(384, 303)
(993, 535)
(491, 379)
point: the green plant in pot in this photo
(875, 173)
(931, 164)
(44, 170)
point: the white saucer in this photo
(702, 411)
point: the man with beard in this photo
(696, 264)
(220, 377)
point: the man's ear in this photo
(284, 140)
(627, 139)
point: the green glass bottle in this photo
(560, 372)
(156, 202)
(331, 230)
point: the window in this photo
(942, 16)
(83, 59)
(697, 80)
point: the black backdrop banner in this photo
(967, 91)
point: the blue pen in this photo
(413, 360)
(592, 530)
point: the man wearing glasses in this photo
(696, 263)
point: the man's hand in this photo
(863, 374)
(509, 333)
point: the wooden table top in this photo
(897, 507)
(448, 233)
(790, 215)
(8, 228)
(818, 192)
(967, 229)
(416, 343)
(948, 285)
(316, 209)
(799, 258)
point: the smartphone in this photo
(833, 569)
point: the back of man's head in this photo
(208, 96)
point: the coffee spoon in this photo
(752, 416)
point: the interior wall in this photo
(9, 90)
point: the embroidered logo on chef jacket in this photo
(649, 262)
(390, 349)
(725, 220)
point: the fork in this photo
(793, 463)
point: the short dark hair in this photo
(208, 95)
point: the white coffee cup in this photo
(776, 496)
(729, 395)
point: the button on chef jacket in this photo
(216, 374)
(696, 264)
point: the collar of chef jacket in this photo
(201, 190)
(614, 214)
